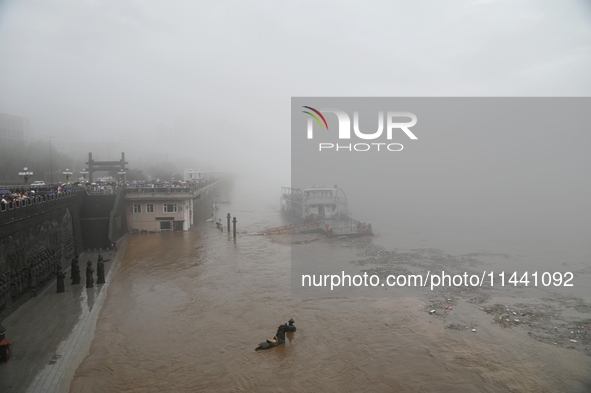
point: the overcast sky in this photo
(217, 76)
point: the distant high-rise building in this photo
(13, 130)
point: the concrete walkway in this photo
(51, 333)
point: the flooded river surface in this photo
(185, 310)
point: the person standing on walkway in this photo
(89, 278)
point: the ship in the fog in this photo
(315, 203)
(319, 209)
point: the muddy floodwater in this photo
(185, 310)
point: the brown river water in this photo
(185, 310)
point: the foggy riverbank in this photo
(185, 310)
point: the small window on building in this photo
(137, 208)
(149, 208)
(170, 208)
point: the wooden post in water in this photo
(234, 228)
(228, 226)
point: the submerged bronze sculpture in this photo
(291, 327)
(279, 336)
(89, 278)
(100, 269)
(60, 280)
(75, 273)
(73, 263)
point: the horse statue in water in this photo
(279, 336)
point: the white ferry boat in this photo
(314, 203)
(318, 210)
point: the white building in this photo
(159, 211)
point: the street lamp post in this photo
(84, 173)
(190, 172)
(68, 173)
(123, 173)
(50, 161)
(26, 174)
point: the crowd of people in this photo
(103, 187)
(157, 183)
(172, 184)
(10, 195)
(16, 195)
(363, 227)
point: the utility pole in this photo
(26, 174)
(67, 173)
(50, 161)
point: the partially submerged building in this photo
(158, 209)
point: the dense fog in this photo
(208, 84)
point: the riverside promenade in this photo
(51, 333)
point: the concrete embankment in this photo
(51, 333)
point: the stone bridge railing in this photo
(36, 200)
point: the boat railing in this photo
(352, 223)
(293, 197)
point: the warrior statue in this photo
(74, 262)
(60, 280)
(100, 269)
(75, 273)
(89, 278)
(279, 336)
(291, 327)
